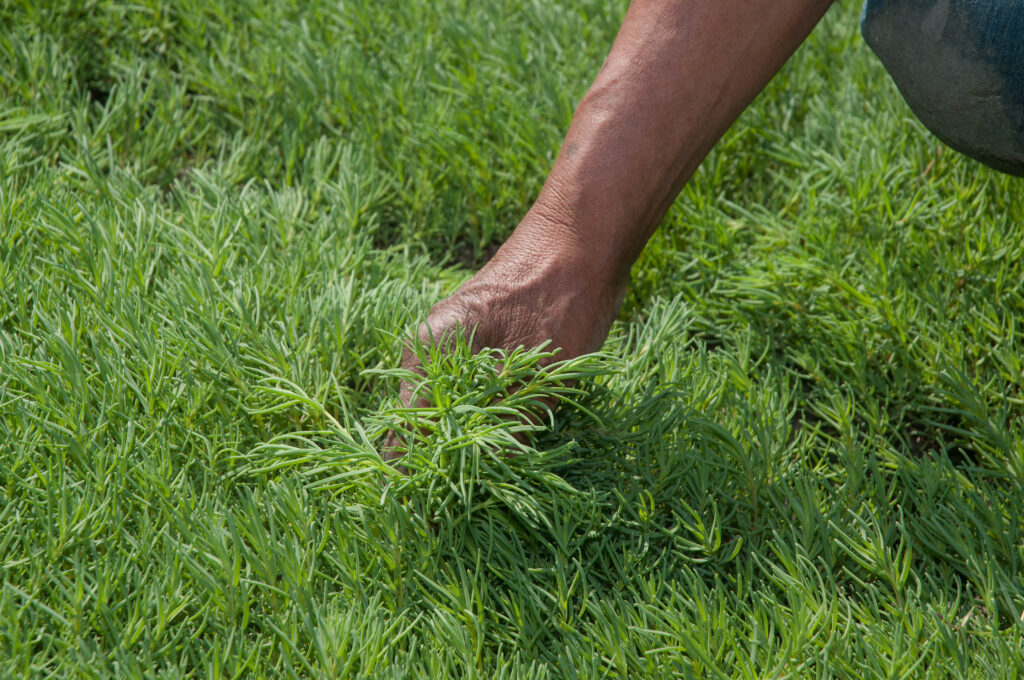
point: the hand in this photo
(534, 290)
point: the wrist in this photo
(558, 242)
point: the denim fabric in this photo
(960, 66)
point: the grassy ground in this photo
(801, 453)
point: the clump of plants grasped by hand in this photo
(468, 435)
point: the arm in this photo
(678, 75)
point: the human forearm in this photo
(679, 73)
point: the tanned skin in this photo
(678, 75)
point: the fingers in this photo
(466, 326)
(437, 336)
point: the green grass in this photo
(800, 453)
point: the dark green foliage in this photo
(799, 453)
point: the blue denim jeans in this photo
(960, 66)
